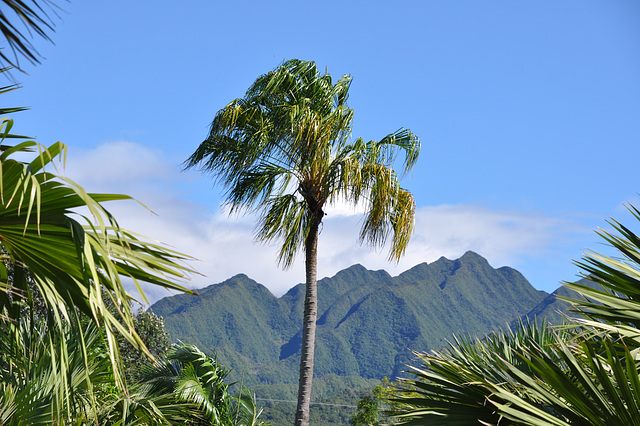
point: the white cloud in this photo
(503, 238)
(224, 245)
(119, 163)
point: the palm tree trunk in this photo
(309, 321)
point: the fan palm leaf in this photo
(196, 381)
(60, 241)
(454, 387)
(589, 375)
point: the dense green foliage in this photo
(65, 315)
(183, 386)
(368, 409)
(155, 337)
(587, 373)
(194, 383)
(36, 387)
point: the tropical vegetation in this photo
(73, 352)
(583, 373)
(65, 315)
(66, 324)
(284, 150)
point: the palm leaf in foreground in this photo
(454, 386)
(613, 307)
(196, 381)
(71, 257)
(588, 376)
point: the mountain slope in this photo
(552, 309)
(368, 321)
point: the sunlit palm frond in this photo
(70, 257)
(285, 217)
(613, 303)
(195, 381)
(46, 378)
(454, 386)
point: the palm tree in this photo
(188, 379)
(284, 150)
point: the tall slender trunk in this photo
(309, 321)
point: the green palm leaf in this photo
(72, 256)
(195, 381)
(37, 387)
(612, 304)
(586, 374)
(454, 387)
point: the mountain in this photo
(368, 321)
(553, 309)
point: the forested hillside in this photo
(368, 321)
(553, 309)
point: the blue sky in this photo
(528, 114)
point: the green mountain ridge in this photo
(553, 309)
(368, 321)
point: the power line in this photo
(312, 403)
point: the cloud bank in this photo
(224, 245)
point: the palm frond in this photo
(588, 376)
(49, 372)
(455, 386)
(71, 262)
(290, 133)
(196, 380)
(36, 18)
(612, 304)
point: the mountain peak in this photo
(468, 257)
(357, 268)
(472, 258)
(472, 255)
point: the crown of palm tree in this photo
(284, 150)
